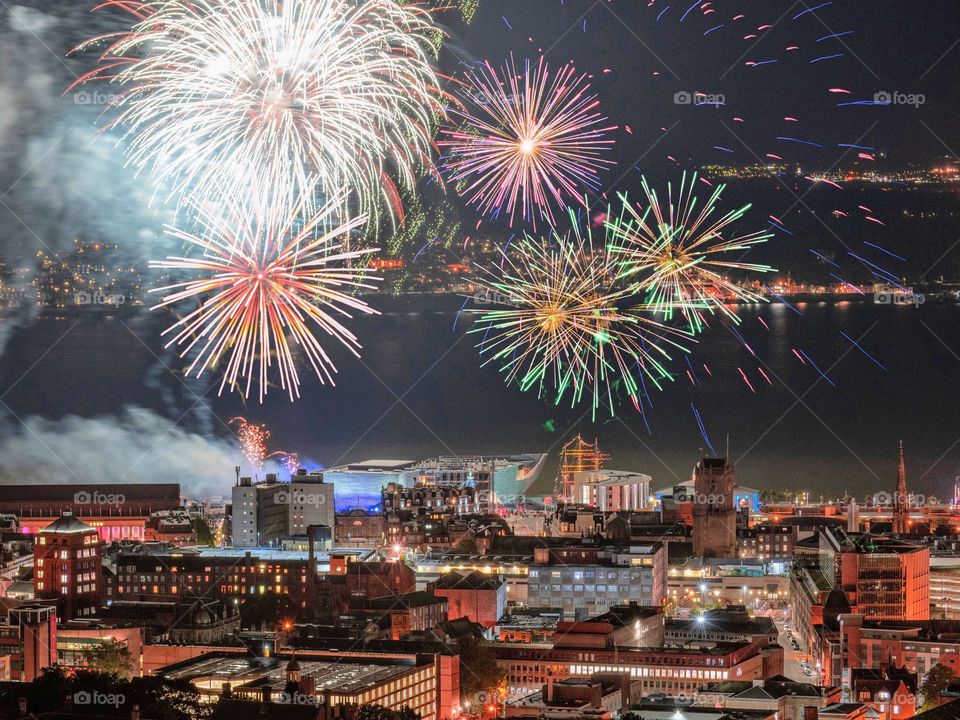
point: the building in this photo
(768, 541)
(373, 579)
(115, 511)
(602, 696)
(787, 698)
(188, 622)
(714, 509)
(170, 573)
(264, 513)
(33, 628)
(611, 490)
(663, 670)
(429, 684)
(479, 597)
(512, 567)
(499, 480)
(726, 625)
(528, 625)
(623, 626)
(875, 576)
(883, 579)
(68, 568)
(411, 612)
(358, 528)
(584, 581)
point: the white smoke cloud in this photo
(135, 446)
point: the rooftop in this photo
(343, 677)
(67, 524)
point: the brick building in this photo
(68, 567)
(479, 597)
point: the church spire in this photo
(901, 501)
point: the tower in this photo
(576, 456)
(853, 516)
(68, 568)
(901, 501)
(714, 509)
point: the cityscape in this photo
(479, 360)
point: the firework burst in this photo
(675, 253)
(275, 100)
(531, 142)
(263, 289)
(564, 330)
(253, 444)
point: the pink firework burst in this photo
(527, 142)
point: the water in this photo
(420, 390)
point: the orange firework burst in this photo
(264, 286)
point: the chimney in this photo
(135, 712)
(227, 691)
(549, 686)
(266, 695)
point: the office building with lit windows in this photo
(171, 572)
(429, 684)
(264, 513)
(586, 581)
(68, 568)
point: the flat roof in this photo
(372, 466)
(246, 671)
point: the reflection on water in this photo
(420, 391)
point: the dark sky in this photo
(894, 47)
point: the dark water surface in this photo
(420, 390)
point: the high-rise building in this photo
(68, 568)
(264, 513)
(901, 501)
(714, 510)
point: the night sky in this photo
(909, 48)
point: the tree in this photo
(110, 659)
(48, 690)
(377, 712)
(933, 684)
(202, 530)
(166, 699)
(466, 545)
(479, 671)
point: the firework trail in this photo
(263, 288)
(274, 100)
(253, 444)
(564, 330)
(528, 142)
(674, 252)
